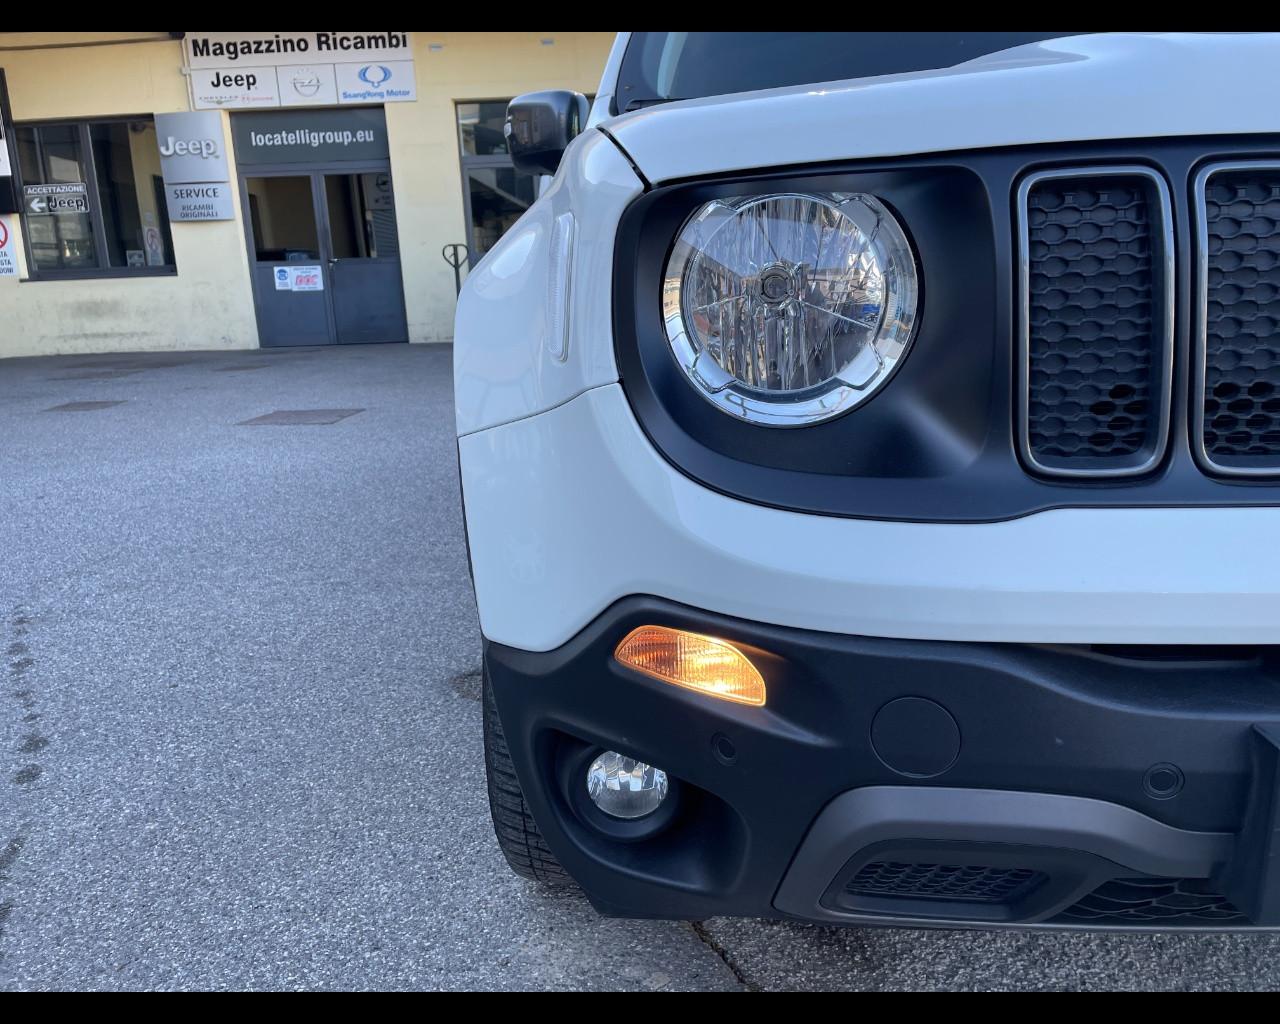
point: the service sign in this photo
(199, 201)
(191, 147)
(43, 200)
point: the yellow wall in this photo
(425, 149)
(209, 303)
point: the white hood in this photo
(1102, 86)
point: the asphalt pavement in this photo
(240, 725)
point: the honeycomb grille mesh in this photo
(1242, 311)
(1094, 335)
(1165, 901)
(967, 883)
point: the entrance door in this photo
(364, 258)
(325, 256)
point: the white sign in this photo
(306, 279)
(243, 88)
(248, 70)
(68, 197)
(8, 258)
(306, 85)
(283, 283)
(269, 49)
(191, 146)
(377, 82)
(199, 201)
(5, 170)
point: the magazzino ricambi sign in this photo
(263, 70)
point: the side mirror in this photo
(540, 125)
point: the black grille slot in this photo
(1240, 426)
(1097, 329)
(1165, 902)
(956, 882)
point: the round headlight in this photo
(786, 310)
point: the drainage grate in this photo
(300, 417)
(83, 406)
(239, 367)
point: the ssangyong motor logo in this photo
(374, 75)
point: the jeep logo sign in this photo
(191, 148)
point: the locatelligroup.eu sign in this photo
(248, 70)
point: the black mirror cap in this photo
(540, 125)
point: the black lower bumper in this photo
(913, 782)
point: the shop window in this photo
(102, 213)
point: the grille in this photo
(967, 883)
(1097, 320)
(1164, 901)
(1240, 310)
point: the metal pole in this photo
(452, 254)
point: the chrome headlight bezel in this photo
(855, 379)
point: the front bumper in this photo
(573, 509)
(914, 782)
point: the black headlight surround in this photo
(947, 372)
(937, 442)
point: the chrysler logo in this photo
(374, 75)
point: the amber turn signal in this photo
(703, 663)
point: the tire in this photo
(518, 836)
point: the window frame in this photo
(98, 225)
(471, 161)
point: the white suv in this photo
(870, 452)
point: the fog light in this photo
(703, 663)
(623, 787)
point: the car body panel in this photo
(571, 510)
(503, 368)
(1120, 85)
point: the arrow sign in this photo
(66, 197)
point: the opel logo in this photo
(306, 83)
(374, 75)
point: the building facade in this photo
(237, 190)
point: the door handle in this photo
(333, 261)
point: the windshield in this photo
(661, 66)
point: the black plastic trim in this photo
(1079, 842)
(938, 444)
(1057, 747)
